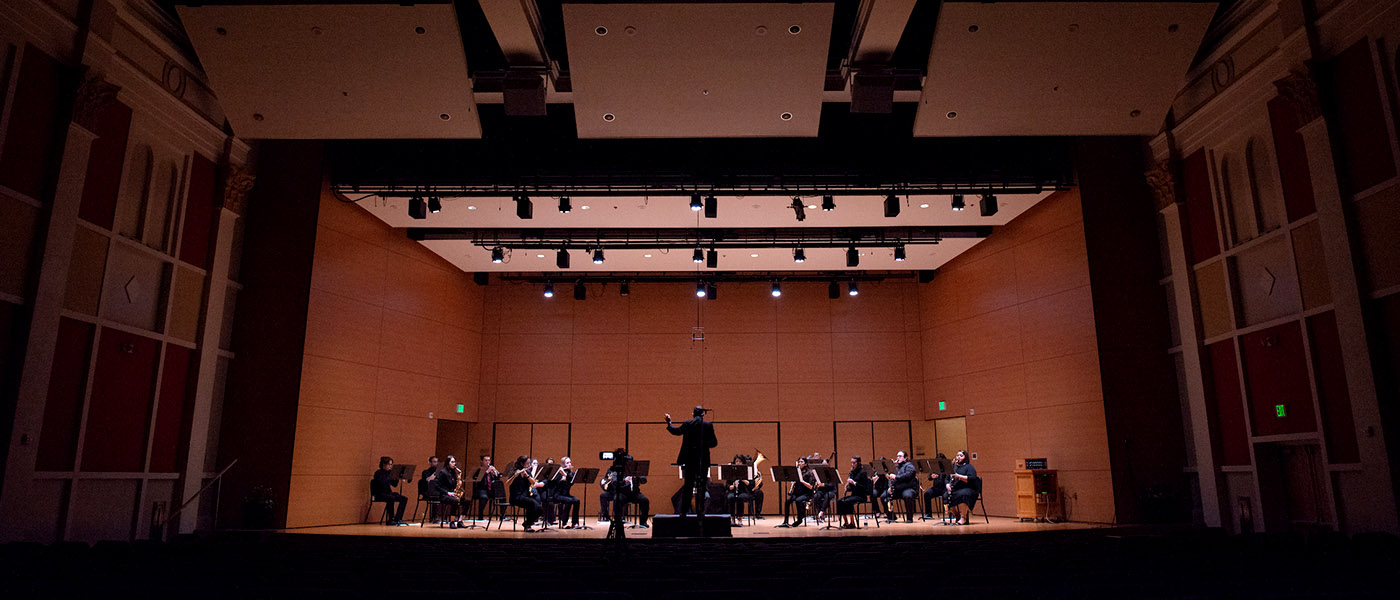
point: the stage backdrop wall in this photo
(1009, 342)
(392, 342)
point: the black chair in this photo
(383, 518)
(432, 503)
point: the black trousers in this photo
(929, 495)
(800, 503)
(532, 508)
(909, 496)
(392, 498)
(737, 503)
(847, 505)
(565, 505)
(757, 502)
(483, 498)
(643, 505)
(697, 481)
(604, 501)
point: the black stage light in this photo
(434, 204)
(958, 203)
(828, 203)
(833, 290)
(598, 256)
(700, 289)
(564, 205)
(852, 257)
(711, 207)
(699, 256)
(524, 208)
(498, 254)
(580, 292)
(711, 258)
(989, 205)
(712, 291)
(695, 203)
(561, 259)
(777, 289)
(899, 252)
(799, 209)
(548, 290)
(891, 206)
(852, 289)
(799, 256)
(622, 289)
(417, 209)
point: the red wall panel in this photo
(1227, 407)
(122, 388)
(1203, 240)
(104, 168)
(33, 136)
(58, 439)
(1292, 160)
(1366, 158)
(177, 377)
(1276, 372)
(1332, 389)
(199, 213)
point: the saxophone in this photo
(461, 483)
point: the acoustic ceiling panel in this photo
(336, 71)
(697, 70)
(1057, 68)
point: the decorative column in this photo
(1367, 498)
(94, 95)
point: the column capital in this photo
(1161, 179)
(1299, 89)
(95, 95)
(238, 181)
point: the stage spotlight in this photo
(564, 205)
(695, 203)
(598, 256)
(828, 203)
(712, 291)
(580, 292)
(712, 258)
(700, 289)
(777, 289)
(524, 208)
(498, 254)
(434, 204)
(958, 203)
(622, 289)
(899, 253)
(852, 257)
(417, 209)
(548, 290)
(852, 288)
(699, 256)
(798, 209)
(989, 205)
(799, 256)
(833, 290)
(891, 206)
(561, 259)
(711, 207)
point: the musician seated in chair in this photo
(524, 490)
(936, 489)
(904, 485)
(558, 489)
(450, 492)
(381, 488)
(606, 496)
(962, 489)
(630, 492)
(740, 493)
(858, 487)
(427, 482)
(802, 490)
(484, 482)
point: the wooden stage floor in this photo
(760, 530)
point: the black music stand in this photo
(881, 467)
(731, 474)
(783, 474)
(636, 469)
(587, 477)
(546, 473)
(477, 474)
(826, 474)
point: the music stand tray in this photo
(587, 477)
(782, 474)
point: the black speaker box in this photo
(674, 526)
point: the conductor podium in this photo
(675, 526)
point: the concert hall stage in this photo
(762, 529)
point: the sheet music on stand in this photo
(680, 471)
(403, 473)
(732, 473)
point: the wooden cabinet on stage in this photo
(1037, 493)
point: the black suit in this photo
(559, 489)
(906, 487)
(382, 488)
(697, 437)
(847, 505)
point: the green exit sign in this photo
(1280, 411)
(461, 408)
(942, 406)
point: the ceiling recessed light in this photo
(600, 30)
(646, 256)
(471, 207)
(812, 206)
(608, 117)
(754, 255)
(584, 207)
(445, 117)
(539, 256)
(952, 114)
(787, 116)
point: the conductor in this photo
(697, 437)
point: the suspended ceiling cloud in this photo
(1057, 68)
(697, 70)
(336, 71)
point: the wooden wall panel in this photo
(63, 405)
(1333, 395)
(1377, 219)
(1276, 373)
(1349, 78)
(89, 262)
(104, 168)
(32, 142)
(123, 386)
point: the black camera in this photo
(619, 458)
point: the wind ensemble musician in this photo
(626, 491)
(451, 494)
(740, 491)
(558, 488)
(825, 492)
(485, 479)
(523, 491)
(858, 489)
(962, 488)
(802, 490)
(937, 487)
(904, 485)
(382, 488)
